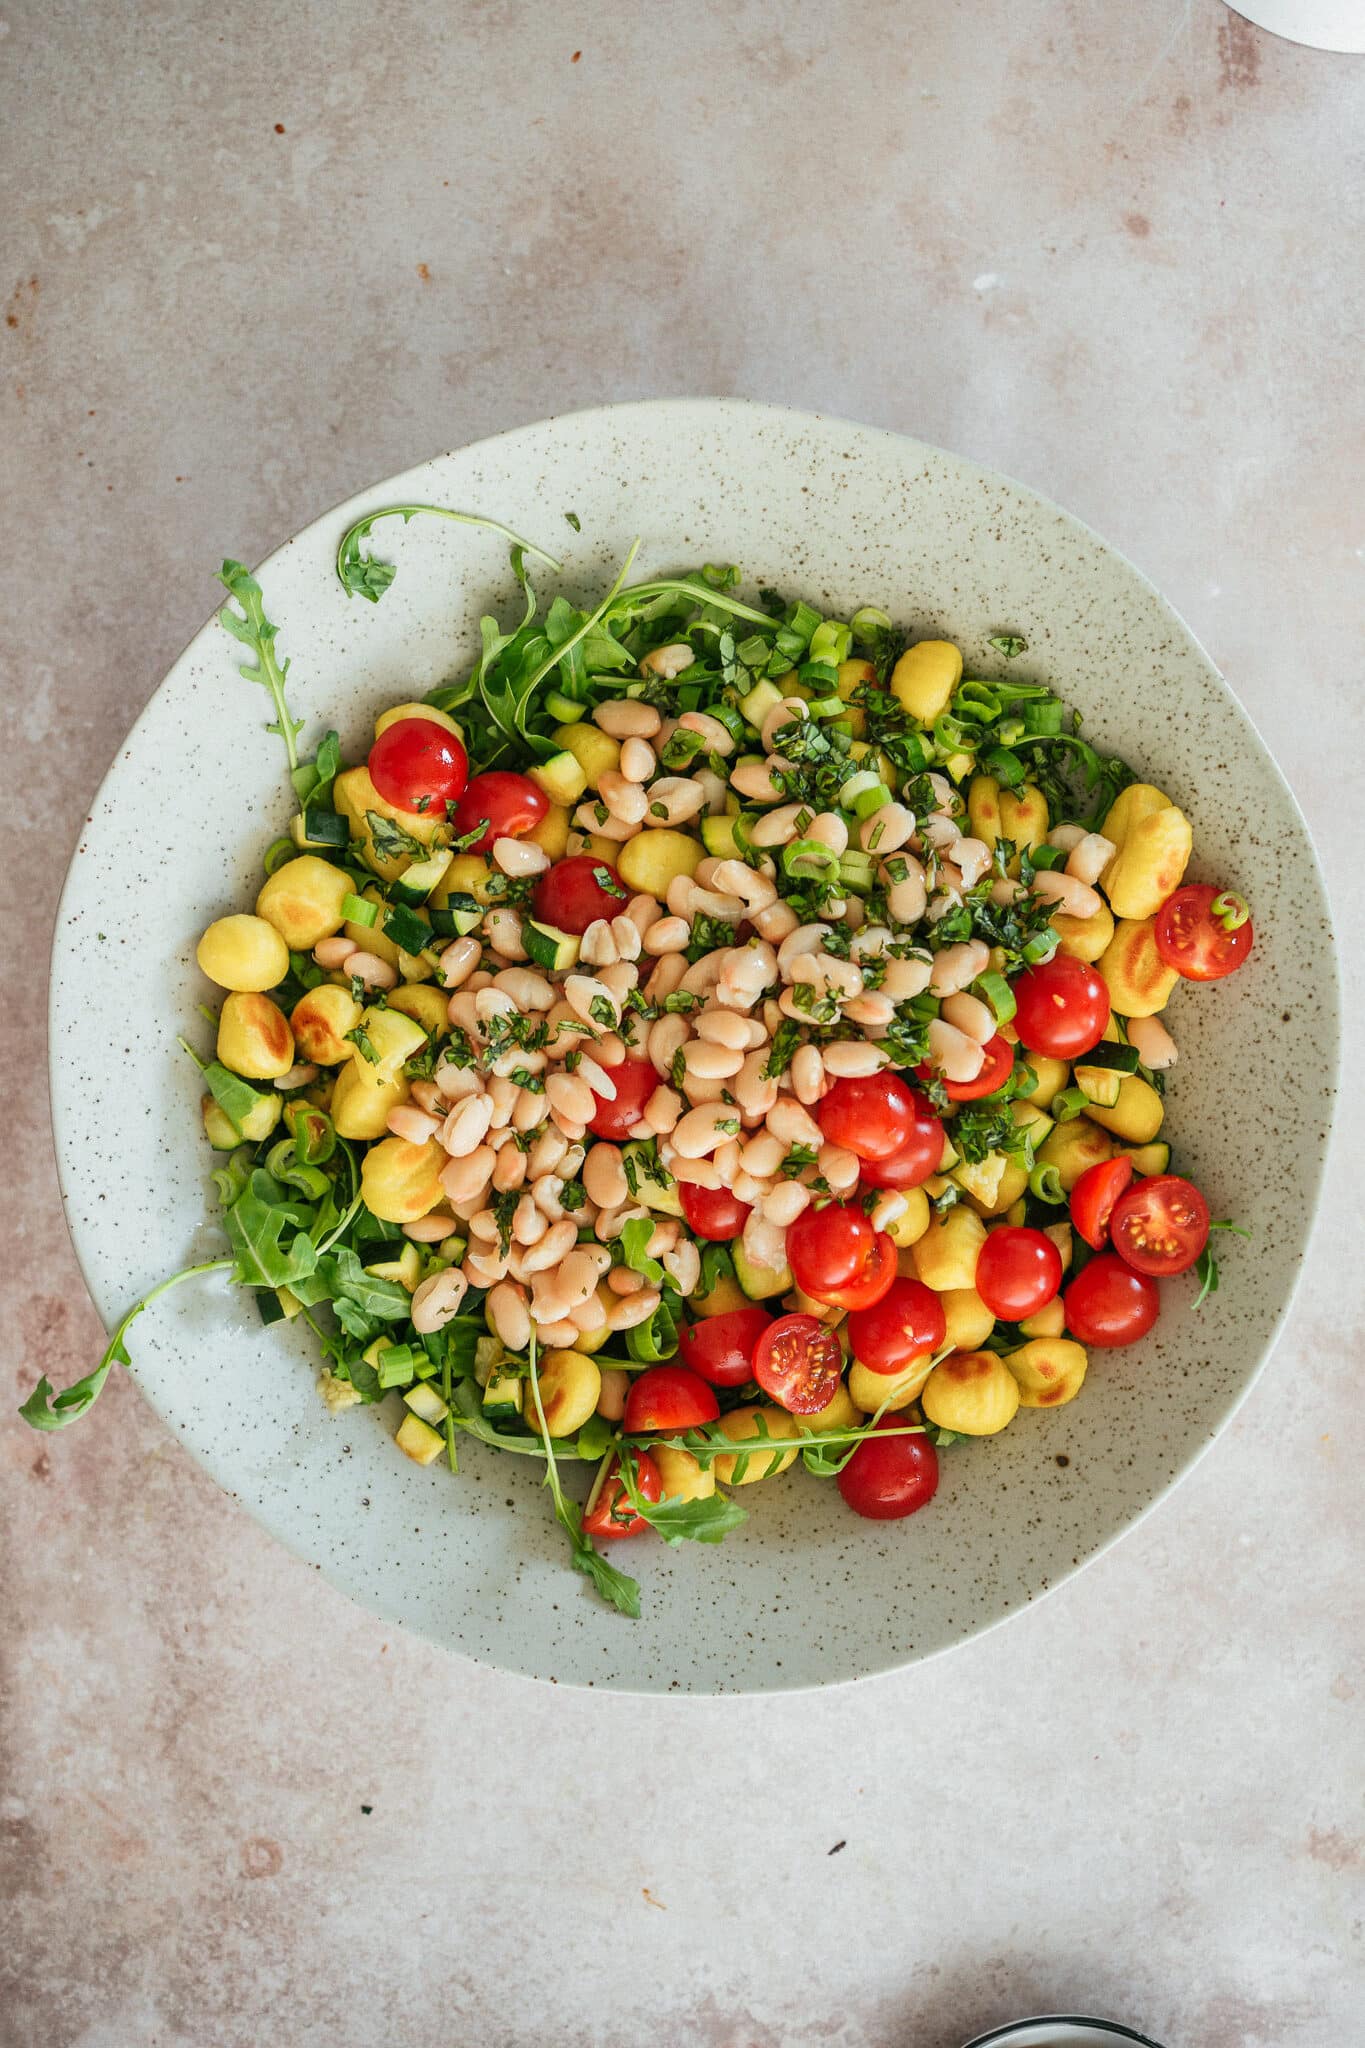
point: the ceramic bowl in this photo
(806, 1594)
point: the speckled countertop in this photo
(1113, 250)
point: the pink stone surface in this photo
(248, 266)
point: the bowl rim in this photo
(1114, 2030)
(703, 408)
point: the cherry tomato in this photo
(1061, 1008)
(1018, 1272)
(1161, 1225)
(798, 1362)
(870, 1114)
(1204, 933)
(712, 1212)
(721, 1348)
(1109, 1304)
(889, 1477)
(635, 1081)
(995, 1071)
(613, 1513)
(1094, 1196)
(837, 1256)
(916, 1159)
(511, 804)
(904, 1324)
(571, 894)
(418, 765)
(667, 1398)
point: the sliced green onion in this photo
(917, 756)
(955, 735)
(993, 988)
(277, 853)
(315, 1138)
(1041, 947)
(1046, 1183)
(831, 641)
(867, 800)
(856, 871)
(806, 858)
(1044, 719)
(801, 625)
(567, 710)
(980, 701)
(826, 707)
(396, 1365)
(1007, 768)
(730, 718)
(863, 779)
(355, 910)
(1069, 1104)
(1231, 911)
(821, 674)
(753, 652)
(867, 623)
(1043, 857)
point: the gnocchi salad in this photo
(708, 1038)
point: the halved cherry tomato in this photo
(668, 1398)
(995, 1071)
(572, 894)
(418, 765)
(916, 1159)
(1094, 1196)
(889, 1477)
(511, 804)
(837, 1256)
(721, 1348)
(712, 1212)
(872, 1115)
(799, 1362)
(1109, 1304)
(1161, 1225)
(1061, 1007)
(1203, 932)
(613, 1513)
(907, 1322)
(1018, 1271)
(635, 1082)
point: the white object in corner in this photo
(1321, 24)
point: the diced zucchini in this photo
(457, 916)
(416, 883)
(763, 698)
(426, 1403)
(359, 910)
(637, 1159)
(981, 1178)
(1120, 1059)
(857, 871)
(393, 1038)
(419, 1441)
(759, 1282)
(561, 778)
(1147, 1159)
(320, 828)
(502, 1397)
(950, 1157)
(718, 837)
(406, 1269)
(566, 709)
(277, 1304)
(1099, 1085)
(548, 946)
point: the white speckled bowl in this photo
(805, 1594)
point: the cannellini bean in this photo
(667, 935)
(634, 1309)
(806, 939)
(703, 1130)
(791, 711)
(509, 1169)
(956, 1056)
(529, 1223)
(597, 947)
(570, 1099)
(808, 1072)
(436, 1301)
(583, 990)
(662, 1110)
(490, 1003)
(726, 1161)
(887, 1209)
(597, 1079)
(465, 1179)
(546, 1152)
(791, 1123)
(753, 1087)
(958, 966)
(735, 878)
(906, 978)
(906, 891)
(558, 1241)
(604, 1176)
(461, 1011)
(839, 1167)
(874, 1012)
(458, 961)
(431, 1228)
(699, 1089)
(529, 991)
(467, 1125)
(886, 830)
(413, 1124)
(764, 1242)
(504, 1094)
(503, 929)
(673, 799)
(971, 857)
(545, 1194)
(611, 1397)
(594, 818)
(829, 828)
(1006, 891)
(507, 1312)
(667, 1035)
(1155, 1045)
(510, 1062)
(939, 832)
(487, 1268)
(1090, 856)
(637, 761)
(786, 1202)
(712, 903)
(428, 1096)
(851, 1056)
(755, 779)
(762, 1156)
(520, 856)
(579, 1274)
(715, 737)
(626, 718)
(778, 828)
(621, 1280)
(870, 943)
(705, 1061)
(969, 1014)
(722, 1027)
(695, 1173)
(775, 923)
(668, 661)
(297, 1076)
(625, 800)
(334, 952)
(842, 979)
(627, 937)
(374, 972)
(1073, 898)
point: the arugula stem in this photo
(667, 586)
(363, 576)
(255, 631)
(557, 654)
(43, 1410)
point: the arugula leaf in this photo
(313, 780)
(255, 631)
(1206, 1266)
(234, 1096)
(634, 1240)
(685, 1521)
(347, 1281)
(613, 1586)
(44, 1410)
(255, 1225)
(363, 576)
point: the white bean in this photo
(624, 799)
(520, 856)
(458, 962)
(874, 1012)
(829, 828)
(906, 890)
(958, 966)
(722, 1027)
(558, 1241)
(627, 936)
(755, 779)
(507, 1312)
(906, 978)
(667, 1035)
(334, 952)
(762, 1156)
(413, 1124)
(571, 1099)
(611, 1397)
(778, 828)
(668, 661)
(969, 1014)
(1065, 837)
(956, 1056)
(626, 718)
(509, 1169)
(546, 1153)
(1155, 1045)
(971, 857)
(791, 711)
(465, 1179)
(595, 819)
(374, 972)
(662, 1110)
(529, 991)
(886, 830)
(431, 1228)
(634, 1309)
(1090, 857)
(753, 1087)
(1072, 898)
(851, 1056)
(786, 1203)
(808, 1073)
(703, 1060)
(637, 761)
(673, 799)
(791, 1123)
(503, 928)
(776, 922)
(715, 737)
(704, 1130)
(529, 1223)
(695, 1173)
(467, 1125)
(436, 1301)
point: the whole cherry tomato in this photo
(872, 1115)
(1094, 1196)
(1161, 1225)
(712, 1212)
(1108, 1304)
(616, 1118)
(668, 1398)
(798, 1362)
(574, 893)
(613, 1513)
(1061, 1007)
(1204, 933)
(511, 805)
(418, 765)
(889, 1477)
(721, 1348)
(1018, 1271)
(836, 1255)
(918, 1156)
(907, 1322)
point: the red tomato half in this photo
(889, 1477)
(837, 1256)
(1204, 933)
(995, 1071)
(712, 1212)
(798, 1363)
(1161, 1225)
(1061, 1008)
(916, 1159)
(1018, 1272)
(511, 805)
(721, 1348)
(418, 765)
(870, 1114)
(904, 1324)
(1094, 1196)
(572, 894)
(635, 1082)
(668, 1398)
(613, 1514)
(1109, 1304)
